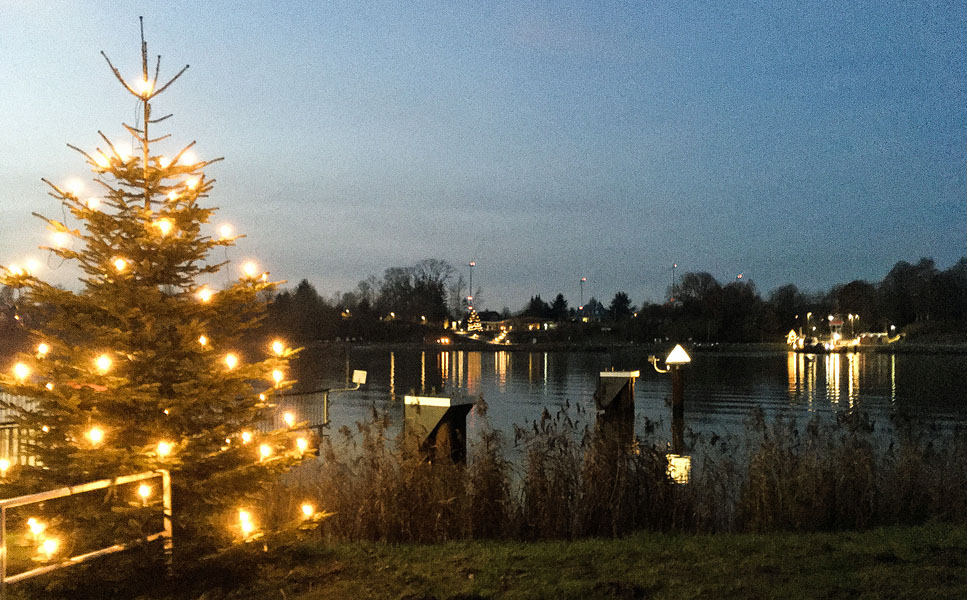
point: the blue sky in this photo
(813, 143)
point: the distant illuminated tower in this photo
(674, 282)
(583, 280)
(473, 264)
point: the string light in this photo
(245, 522)
(302, 444)
(101, 161)
(265, 451)
(42, 349)
(203, 340)
(231, 360)
(188, 158)
(172, 195)
(225, 231)
(49, 547)
(15, 270)
(36, 527)
(261, 397)
(93, 203)
(308, 510)
(46, 429)
(31, 267)
(96, 435)
(120, 264)
(144, 491)
(278, 347)
(246, 437)
(75, 186)
(123, 150)
(165, 162)
(61, 239)
(164, 226)
(4, 466)
(144, 87)
(21, 371)
(192, 183)
(103, 363)
(278, 376)
(164, 448)
(289, 418)
(205, 294)
(49, 386)
(250, 269)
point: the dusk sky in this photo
(813, 143)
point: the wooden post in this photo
(678, 393)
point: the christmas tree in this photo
(146, 365)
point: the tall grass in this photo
(567, 481)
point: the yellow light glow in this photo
(246, 437)
(172, 195)
(205, 294)
(75, 186)
(164, 226)
(231, 360)
(308, 510)
(192, 183)
(31, 267)
(49, 386)
(49, 547)
(278, 347)
(15, 270)
(265, 451)
(145, 86)
(4, 467)
(164, 448)
(46, 429)
(277, 376)
(120, 264)
(144, 491)
(93, 203)
(165, 162)
(250, 269)
(101, 161)
(123, 150)
(203, 340)
(302, 444)
(21, 371)
(679, 467)
(289, 418)
(103, 363)
(96, 435)
(262, 397)
(188, 158)
(225, 231)
(35, 526)
(245, 522)
(61, 239)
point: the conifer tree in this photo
(144, 365)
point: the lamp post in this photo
(581, 308)
(676, 359)
(472, 264)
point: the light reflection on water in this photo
(721, 390)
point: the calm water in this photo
(720, 389)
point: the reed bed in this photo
(567, 481)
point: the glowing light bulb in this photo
(49, 547)
(36, 526)
(192, 183)
(289, 418)
(172, 195)
(42, 349)
(250, 269)
(31, 267)
(103, 363)
(75, 187)
(46, 429)
(101, 161)
(302, 444)
(188, 158)
(96, 435)
(123, 151)
(278, 347)
(245, 522)
(164, 448)
(93, 203)
(262, 397)
(203, 340)
(21, 371)
(120, 264)
(277, 376)
(205, 294)
(165, 162)
(145, 87)
(4, 467)
(164, 226)
(231, 360)
(225, 231)
(265, 451)
(49, 386)
(15, 270)
(246, 437)
(144, 491)
(61, 239)
(308, 510)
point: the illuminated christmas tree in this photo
(144, 366)
(473, 321)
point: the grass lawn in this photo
(896, 562)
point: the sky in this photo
(794, 142)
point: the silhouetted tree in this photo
(621, 307)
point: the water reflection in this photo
(845, 377)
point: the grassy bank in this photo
(927, 561)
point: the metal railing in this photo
(165, 534)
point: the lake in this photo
(721, 389)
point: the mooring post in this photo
(678, 392)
